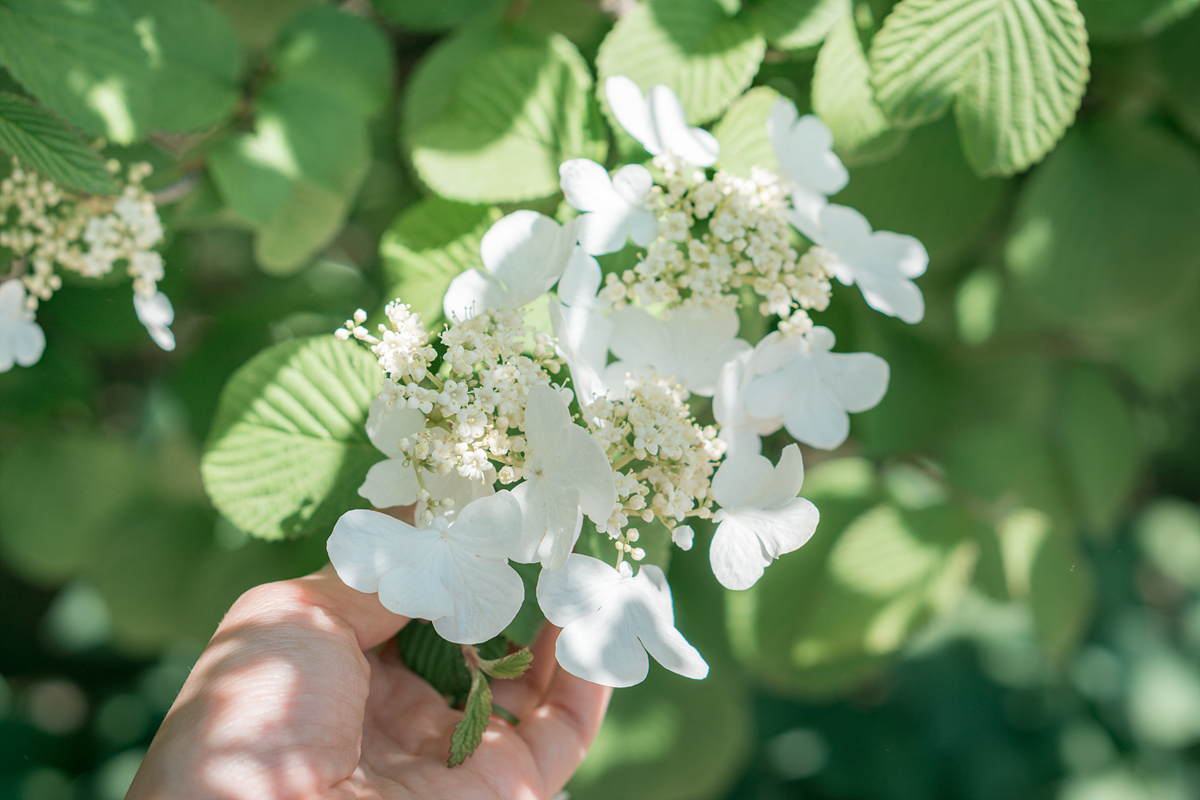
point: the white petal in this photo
(749, 539)
(583, 343)
(696, 146)
(633, 182)
(577, 590)
(489, 527)
(463, 491)
(704, 342)
(643, 228)
(641, 339)
(858, 379)
(365, 545)
(603, 648)
(471, 293)
(605, 231)
(768, 396)
(527, 252)
(741, 440)
(587, 186)
(533, 522)
(736, 555)
(156, 313)
(632, 111)
(28, 343)
(815, 416)
(551, 523)
(580, 282)
(390, 483)
(740, 481)
(422, 587)
(12, 298)
(387, 425)
(568, 455)
(657, 632)
(683, 536)
(487, 594)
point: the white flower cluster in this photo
(486, 403)
(50, 231)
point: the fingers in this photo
(561, 728)
(371, 623)
(519, 697)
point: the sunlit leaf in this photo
(798, 24)
(742, 132)
(38, 139)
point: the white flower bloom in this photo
(804, 147)
(524, 254)
(882, 263)
(582, 329)
(658, 122)
(614, 208)
(156, 313)
(456, 575)
(21, 339)
(611, 618)
(391, 482)
(691, 346)
(740, 431)
(457, 490)
(812, 389)
(566, 476)
(761, 518)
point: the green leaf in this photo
(842, 97)
(468, 731)
(1176, 52)
(1062, 593)
(1109, 203)
(41, 142)
(529, 620)
(288, 447)
(1100, 445)
(337, 51)
(258, 23)
(511, 666)
(195, 60)
(421, 15)
(308, 221)
(798, 24)
(671, 738)
(516, 114)
(742, 132)
(1131, 19)
(429, 244)
(439, 662)
(1015, 69)
(706, 57)
(84, 61)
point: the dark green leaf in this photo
(511, 666)
(288, 448)
(43, 143)
(1130, 19)
(1176, 50)
(468, 732)
(529, 620)
(692, 46)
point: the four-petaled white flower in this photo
(804, 147)
(611, 618)
(691, 346)
(391, 482)
(566, 476)
(882, 263)
(524, 254)
(797, 378)
(581, 327)
(156, 313)
(455, 574)
(740, 431)
(761, 518)
(658, 122)
(21, 339)
(614, 208)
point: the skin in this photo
(294, 699)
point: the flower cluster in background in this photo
(594, 418)
(51, 232)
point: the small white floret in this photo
(21, 339)
(614, 208)
(156, 313)
(804, 147)
(658, 122)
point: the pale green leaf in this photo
(798, 24)
(429, 244)
(195, 60)
(84, 61)
(742, 132)
(706, 57)
(422, 15)
(1100, 445)
(842, 97)
(309, 219)
(516, 113)
(510, 666)
(288, 447)
(468, 731)
(41, 142)
(1131, 19)
(1015, 70)
(337, 51)
(1104, 236)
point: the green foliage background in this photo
(1003, 597)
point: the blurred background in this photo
(1002, 599)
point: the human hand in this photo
(289, 700)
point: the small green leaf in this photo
(422, 15)
(798, 24)
(429, 244)
(1100, 445)
(1015, 70)
(40, 141)
(515, 114)
(742, 132)
(1132, 19)
(340, 52)
(288, 448)
(439, 662)
(511, 666)
(706, 57)
(468, 732)
(842, 97)
(1111, 201)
